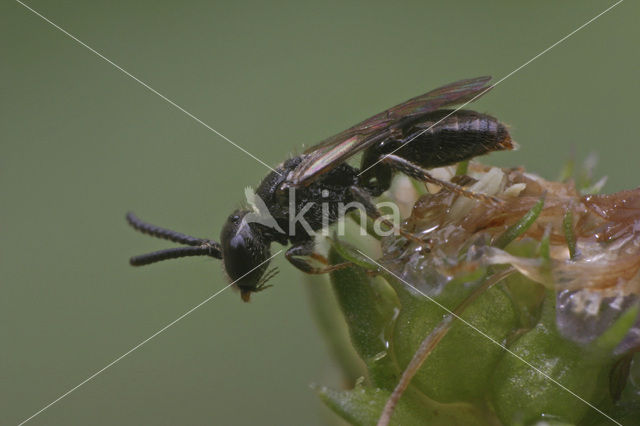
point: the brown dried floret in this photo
(594, 243)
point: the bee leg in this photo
(415, 171)
(294, 256)
(362, 197)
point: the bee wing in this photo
(337, 149)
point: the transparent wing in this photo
(337, 149)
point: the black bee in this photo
(411, 138)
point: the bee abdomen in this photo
(446, 137)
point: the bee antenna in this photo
(198, 246)
(172, 253)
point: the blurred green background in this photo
(82, 143)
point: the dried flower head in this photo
(593, 260)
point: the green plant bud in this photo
(543, 282)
